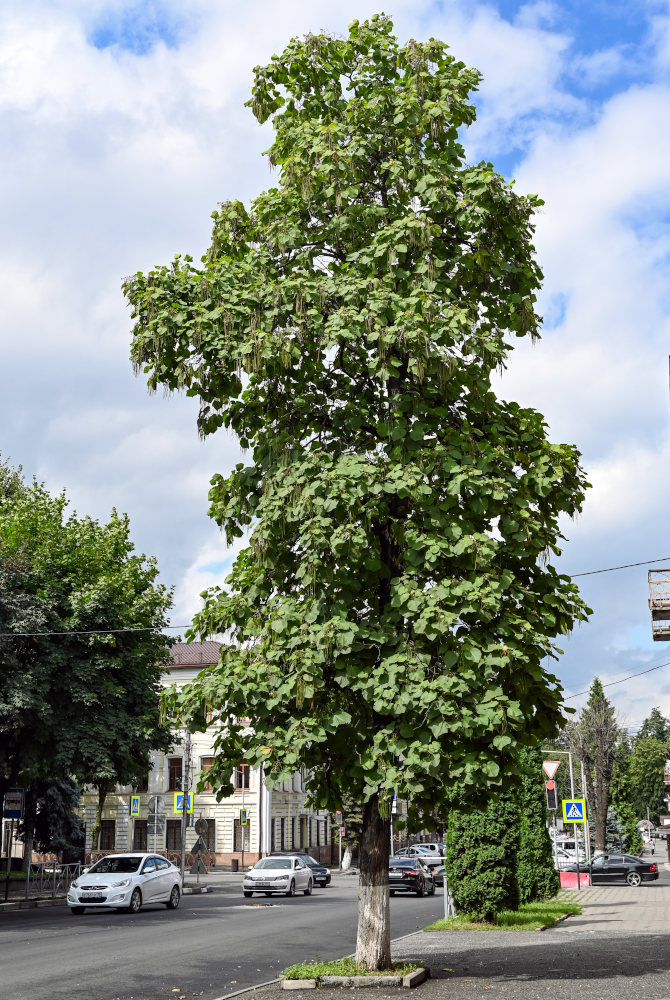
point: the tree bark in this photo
(103, 790)
(373, 944)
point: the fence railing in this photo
(50, 878)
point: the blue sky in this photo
(123, 126)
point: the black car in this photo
(410, 875)
(618, 869)
(320, 872)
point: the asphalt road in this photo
(212, 946)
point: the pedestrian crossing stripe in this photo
(574, 810)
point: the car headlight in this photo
(280, 878)
(74, 885)
(119, 885)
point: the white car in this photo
(287, 875)
(126, 882)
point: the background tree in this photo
(647, 777)
(655, 726)
(76, 701)
(623, 822)
(53, 821)
(595, 738)
(352, 820)
(387, 624)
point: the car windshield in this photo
(274, 863)
(115, 866)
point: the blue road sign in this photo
(13, 805)
(179, 802)
(134, 805)
(574, 810)
(244, 817)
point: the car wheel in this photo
(78, 910)
(633, 878)
(173, 901)
(420, 890)
(308, 890)
(432, 891)
(291, 889)
(247, 893)
(135, 901)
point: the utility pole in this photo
(185, 784)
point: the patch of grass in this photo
(344, 967)
(529, 917)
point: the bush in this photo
(481, 860)
(535, 874)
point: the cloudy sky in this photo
(122, 126)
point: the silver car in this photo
(286, 875)
(126, 882)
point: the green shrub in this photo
(535, 874)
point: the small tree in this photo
(535, 874)
(481, 859)
(388, 622)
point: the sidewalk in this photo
(618, 949)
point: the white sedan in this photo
(287, 874)
(126, 882)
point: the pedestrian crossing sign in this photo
(574, 810)
(179, 802)
(134, 805)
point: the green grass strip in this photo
(344, 967)
(529, 917)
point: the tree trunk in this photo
(373, 945)
(28, 828)
(346, 858)
(104, 787)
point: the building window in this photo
(107, 834)
(174, 773)
(173, 835)
(205, 765)
(140, 835)
(240, 832)
(143, 784)
(210, 835)
(241, 776)
(282, 834)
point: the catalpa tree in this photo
(386, 624)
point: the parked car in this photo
(618, 868)
(410, 875)
(126, 882)
(286, 875)
(416, 851)
(320, 873)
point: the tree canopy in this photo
(76, 700)
(387, 623)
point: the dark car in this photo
(320, 873)
(617, 869)
(410, 875)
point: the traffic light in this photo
(550, 792)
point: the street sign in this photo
(179, 802)
(201, 826)
(574, 810)
(134, 805)
(244, 817)
(13, 807)
(550, 767)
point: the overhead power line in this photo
(621, 680)
(612, 569)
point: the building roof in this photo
(194, 654)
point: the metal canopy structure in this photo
(659, 603)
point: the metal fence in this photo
(50, 879)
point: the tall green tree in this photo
(76, 700)
(595, 740)
(647, 777)
(655, 726)
(621, 797)
(387, 623)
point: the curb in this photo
(195, 890)
(32, 904)
(408, 981)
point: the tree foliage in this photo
(387, 623)
(535, 875)
(595, 740)
(656, 726)
(75, 700)
(647, 777)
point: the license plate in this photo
(92, 897)
(395, 875)
(262, 885)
